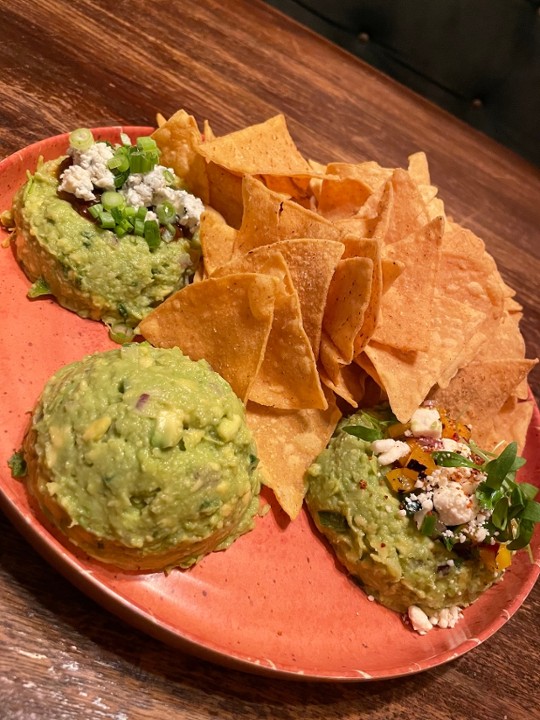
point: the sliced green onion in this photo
(111, 199)
(125, 139)
(138, 226)
(141, 213)
(81, 139)
(107, 221)
(151, 234)
(166, 213)
(170, 178)
(120, 179)
(119, 163)
(140, 162)
(146, 143)
(130, 212)
(95, 210)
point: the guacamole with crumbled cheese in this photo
(353, 505)
(88, 269)
(142, 457)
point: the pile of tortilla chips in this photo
(336, 284)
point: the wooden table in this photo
(65, 64)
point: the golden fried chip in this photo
(406, 311)
(269, 216)
(391, 270)
(226, 321)
(288, 376)
(419, 169)
(179, 139)
(349, 382)
(479, 390)
(287, 443)
(217, 239)
(312, 263)
(403, 211)
(348, 298)
(208, 133)
(408, 377)
(342, 197)
(370, 248)
(509, 424)
(225, 193)
(265, 148)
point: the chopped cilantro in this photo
(17, 465)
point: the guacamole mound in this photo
(142, 458)
(353, 505)
(90, 270)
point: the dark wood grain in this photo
(65, 64)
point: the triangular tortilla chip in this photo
(403, 211)
(287, 377)
(226, 321)
(406, 311)
(287, 443)
(348, 298)
(408, 377)
(257, 150)
(179, 140)
(217, 239)
(479, 390)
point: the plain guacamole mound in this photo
(353, 506)
(88, 269)
(142, 458)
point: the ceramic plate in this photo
(275, 602)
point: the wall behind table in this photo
(478, 59)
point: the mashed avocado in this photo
(354, 506)
(142, 457)
(88, 269)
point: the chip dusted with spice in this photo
(226, 321)
(217, 240)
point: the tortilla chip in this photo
(342, 197)
(479, 390)
(287, 443)
(419, 169)
(266, 148)
(287, 377)
(408, 377)
(406, 311)
(508, 425)
(370, 248)
(225, 193)
(391, 270)
(269, 216)
(179, 140)
(312, 263)
(160, 119)
(347, 301)
(217, 239)
(349, 384)
(208, 133)
(226, 321)
(403, 211)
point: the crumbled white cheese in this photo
(452, 446)
(188, 207)
(453, 505)
(389, 450)
(150, 215)
(77, 181)
(419, 620)
(426, 422)
(447, 617)
(89, 170)
(137, 191)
